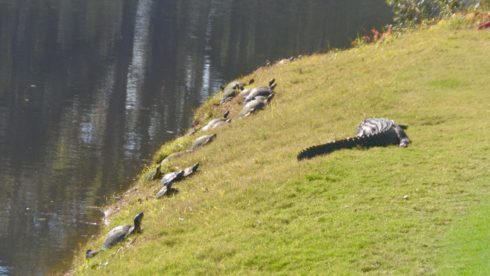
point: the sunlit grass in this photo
(253, 209)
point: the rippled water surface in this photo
(90, 88)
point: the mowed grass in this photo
(254, 209)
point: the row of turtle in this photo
(254, 99)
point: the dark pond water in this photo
(90, 88)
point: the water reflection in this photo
(4, 270)
(136, 76)
(90, 88)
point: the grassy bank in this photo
(254, 209)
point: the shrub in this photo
(409, 12)
(485, 4)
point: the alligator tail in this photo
(329, 147)
(378, 139)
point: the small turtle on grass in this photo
(198, 143)
(253, 106)
(165, 190)
(214, 123)
(169, 179)
(265, 91)
(190, 170)
(232, 88)
(154, 173)
(118, 234)
(202, 141)
(173, 156)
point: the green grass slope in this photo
(254, 209)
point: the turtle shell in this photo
(201, 141)
(116, 235)
(258, 91)
(190, 170)
(163, 191)
(251, 107)
(169, 178)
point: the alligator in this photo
(371, 132)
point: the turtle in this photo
(265, 91)
(154, 173)
(244, 93)
(214, 123)
(264, 98)
(166, 189)
(232, 88)
(173, 156)
(174, 177)
(167, 181)
(190, 170)
(286, 60)
(201, 141)
(191, 131)
(257, 104)
(117, 234)
(169, 178)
